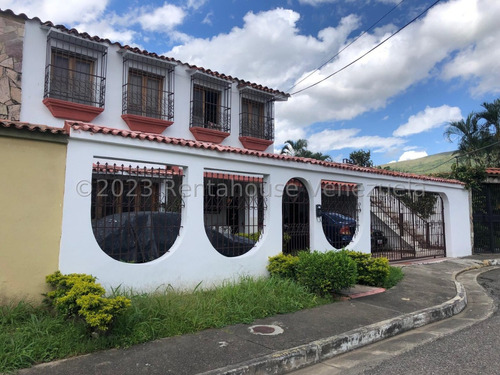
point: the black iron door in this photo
(295, 212)
(486, 218)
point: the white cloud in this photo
(268, 49)
(208, 18)
(59, 12)
(411, 155)
(428, 119)
(195, 4)
(161, 19)
(316, 2)
(328, 140)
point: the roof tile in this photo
(32, 127)
(77, 126)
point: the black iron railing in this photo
(136, 210)
(74, 86)
(234, 208)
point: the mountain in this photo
(437, 163)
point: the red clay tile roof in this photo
(494, 171)
(146, 53)
(32, 127)
(80, 126)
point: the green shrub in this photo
(283, 265)
(79, 295)
(395, 276)
(371, 271)
(324, 273)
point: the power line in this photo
(369, 51)
(347, 46)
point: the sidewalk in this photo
(285, 342)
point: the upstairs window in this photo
(210, 103)
(75, 70)
(144, 94)
(148, 87)
(256, 116)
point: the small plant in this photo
(79, 295)
(324, 273)
(283, 265)
(371, 271)
(251, 236)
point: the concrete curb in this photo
(285, 361)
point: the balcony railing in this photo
(148, 102)
(74, 86)
(256, 126)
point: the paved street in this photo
(472, 350)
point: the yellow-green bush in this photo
(79, 295)
(251, 236)
(371, 271)
(283, 265)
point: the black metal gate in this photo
(406, 224)
(295, 213)
(486, 218)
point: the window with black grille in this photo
(75, 69)
(233, 212)
(210, 103)
(339, 212)
(148, 87)
(256, 115)
(136, 209)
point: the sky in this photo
(394, 101)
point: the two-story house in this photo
(146, 171)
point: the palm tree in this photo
(299, 148)
(491, 117)
(294, 148)
(473, 140)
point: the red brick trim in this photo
(208, 135)
(146, 124)
(255, 143)
(71, 111)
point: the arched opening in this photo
(233, 211)
(295, 214)
(339, 212)
(136, 209)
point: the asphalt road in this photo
(473, 350)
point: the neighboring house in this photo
(164, 172)
(486, 213)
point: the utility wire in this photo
(347, 46)
(369, 51)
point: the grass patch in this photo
(395, 276)
(34, 334)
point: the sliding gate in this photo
(406, 224)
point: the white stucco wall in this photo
(192, 259)
(34, 111)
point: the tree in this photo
(361, 158)
(478, 137)
(299, 148)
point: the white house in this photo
(170, 177)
